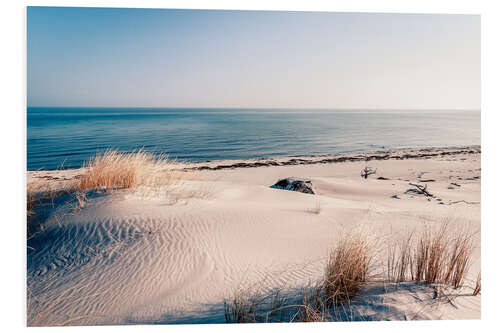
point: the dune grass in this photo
(148, 175)
(458, 261)
(113, 170)
(40, 199)
(430, 257)
(273, 306)
(436, 257)
(37, 195)
(347, 269)
(399, 259)
(254, 306)
(433, 256)
(313, 307)
(117, 170)
(443, 257)
(240, 310)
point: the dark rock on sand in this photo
(294, 184)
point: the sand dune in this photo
(127, 257)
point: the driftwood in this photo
(466, 202)
(420, 190)
(368, 171)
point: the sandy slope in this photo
(131, 258)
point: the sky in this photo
(111, 57)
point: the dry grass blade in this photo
(429, 259)
(347, 269)
(313, 307)
(437, 256)
(399, 259)
(477, 287)
(459, 260)
(420, 259)
(243, 308)
(308, 314)
(30, 201)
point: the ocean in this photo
(67, 137)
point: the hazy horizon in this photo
(166, 58)
(239, 108)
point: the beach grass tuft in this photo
(433, 256)
(347, 268)
(119, 170)
(399, 259)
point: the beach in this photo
(176, 254)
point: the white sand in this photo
(127, 258)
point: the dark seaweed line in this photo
(422, 154)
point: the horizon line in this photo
(252, 108)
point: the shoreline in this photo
(390, 154)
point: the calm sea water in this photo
(69, 136)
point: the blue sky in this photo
(193, 58)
